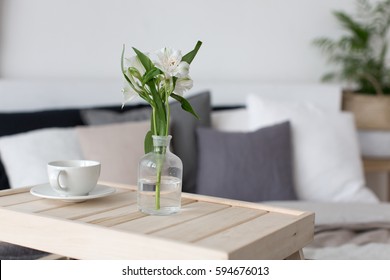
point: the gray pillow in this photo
(183, 129)
(254, 166)
(104, 116)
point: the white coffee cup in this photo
(73, 177)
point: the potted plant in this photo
(361, 56)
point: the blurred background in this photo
(266, 41)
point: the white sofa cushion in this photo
(327, 163)
(26, 155)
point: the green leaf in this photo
(328, 77)
(361, 33)
(135, 73)
(148, 143)
(189, 57)
(145, 60)
(185, 104)
(161, 117)
(149, 75)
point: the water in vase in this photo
(170, 195)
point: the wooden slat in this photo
(13, 191)
(121, 215)
(85, 241)
(153, 223)
(214, 223)
(38, 205)
(271, 236)
(17, 198)
(238, 203)
(94, 206)
(115, 216)
(226, 201)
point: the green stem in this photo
(159, 164)
(162, 151)
(160, 161)
(168, 111)
(158, 184)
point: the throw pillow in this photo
(183, 126)
(326, 153)
(118, 147)
(13, 123)
(4, 184)
(254, 166)
(25, 155)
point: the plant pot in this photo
(372, 112)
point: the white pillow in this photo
(327, 163)
(231, 120)
(25, 155)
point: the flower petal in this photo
(168, 61)
(182, 85)
(182, 70)
(128, 93)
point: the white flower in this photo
(169, 61)
(182, 85)
(128, 93)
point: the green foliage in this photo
(185, 105)
(361, 52)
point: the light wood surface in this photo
(376, 165)
(113, 228)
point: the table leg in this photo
(298, 255)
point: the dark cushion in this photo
(254, 166)
(107, 116)
(184, 142)
(14, 252)
(183, 129)
(4, 183)
(13, 123)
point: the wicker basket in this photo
(372, 112)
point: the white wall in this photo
(244, 40)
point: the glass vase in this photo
(160, 179)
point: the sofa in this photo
(283, 145)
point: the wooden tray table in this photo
(113, 228)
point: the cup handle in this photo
(56, 183)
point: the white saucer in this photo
(46, 191)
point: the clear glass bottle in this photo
(160, 179)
